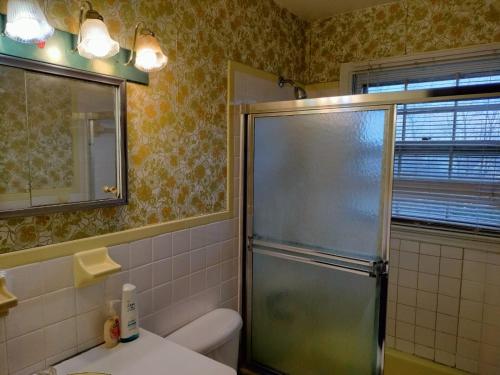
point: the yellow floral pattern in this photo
(177, 127)
(393, 29)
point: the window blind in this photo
(447, 154)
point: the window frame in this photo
(347, 86)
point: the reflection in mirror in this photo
(60, 142)
(14, 155)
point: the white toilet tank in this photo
(216, 335)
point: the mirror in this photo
(62, 139)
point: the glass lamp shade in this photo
(95, 42)
(149, 56)
(26, 22)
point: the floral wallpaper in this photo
(177, 125)
(398, 28)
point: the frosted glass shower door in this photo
(318, 204)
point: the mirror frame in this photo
(121, 135)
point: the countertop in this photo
(150, 354)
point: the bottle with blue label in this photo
(129, 324)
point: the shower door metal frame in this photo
(366, 268)
(324, 105)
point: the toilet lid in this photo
(209, 331)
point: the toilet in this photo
(215, 335)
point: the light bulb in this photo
(95, 41)
(149, 56)
(26, 22)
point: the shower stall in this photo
(316, 223)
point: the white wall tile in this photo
(430, 249)
(405, 314)
(447, 324)
(197, 282)
(180, 266)
(114, 284)
(452, 252)
(468, 348)
(60, 337)
(3, 359)
(180, 289)
(141, 252)
(490, 355)
(162, 271)
(449, 286)
(429, 264)
(197, 260)
(121, 255)
(428, 283)
(490, 335)
(142, 277)
(40, 366)
(89, 298)
(405, 331)
(466, 364)
(213, 254)
(473, 290)
(424, 352)
(493, 274)
(425, 318)
(162, 296)
(448, 305)
(407, 278)
(411, 246)
(26, 282)
(475, 255)
(24, 318)
(407, 296)
(213, 276)
(425, 336)
(408, 260)
(180, 241)
(145, 303)
(474, 271)
(427, 300)
(162, 246)
(492, 315)
(492, 295)
(405, 346)
(2, 329)
(229, 289)
(57, 274)
(89, 326)
(450, 267)
(469, 329)
(60, 305)
(394, 258)
(395, 243)
(445, 358)
(471, 310)
(24, 351)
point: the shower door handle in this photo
(340, 263)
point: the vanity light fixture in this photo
(147, 50)
(26, 22)
(94, 41)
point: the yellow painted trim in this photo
(43, 253)
(397, 363)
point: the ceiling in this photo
(316, 9)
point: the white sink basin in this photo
(148, 355)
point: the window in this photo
(447, 154)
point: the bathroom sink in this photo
(150, 354)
